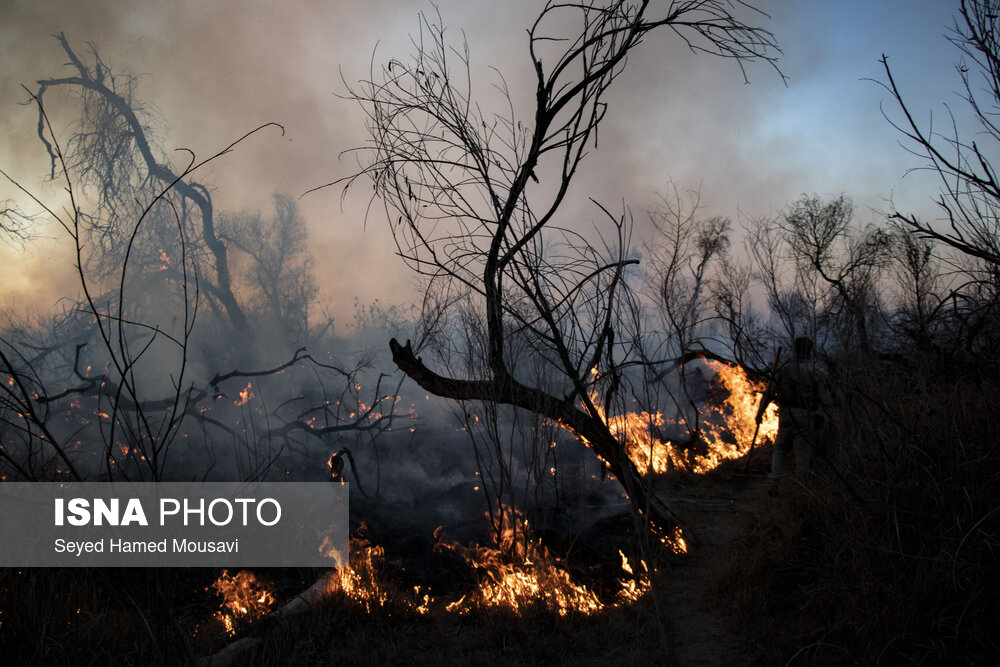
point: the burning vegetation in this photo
(131, 382)
(244, 599)
(727, 427)
(518, 574)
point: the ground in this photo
(714, 514)
(714, 517)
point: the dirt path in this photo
(715, 517)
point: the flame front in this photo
(521, 572)
(727, 430)
(359, 581)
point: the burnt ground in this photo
(714, 516)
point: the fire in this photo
(245, 599)
(516, 575)
(521, 572)
(727, 429)
(359, 581)
(675, 541)
(633, 587)
(245, 395)
(739, 412)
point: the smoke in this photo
(214, 71)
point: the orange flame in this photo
(727, 433)
(359, 581)
(245, 599)
(245, 395)
(518, 574)
(633, 586)
(521, 572)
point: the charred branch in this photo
(508, 391)
(98, 81)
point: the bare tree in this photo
(969, 200)
(279, 269)
(830, 253)
(970, 197)
(820, 270)
(124, 414)
(464, 194)
(765, 245)
(733, 302)
(685, 257)
(917, 274)
(107, 388)
(113, 153)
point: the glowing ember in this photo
(245, 395)
(675, 541)
(245, 599)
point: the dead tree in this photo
(473, 200)
(278, 270)
(961, 156)
(125, 411)
(831, 253)
(112, 151)
(683, 263)
(970, 195)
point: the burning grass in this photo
(727, 427)
(524, 608)
(890, 554)
(518, 583)
(244, 599)
(338, 633)
(519, 572)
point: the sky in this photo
(214, 70)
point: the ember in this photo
(245, 395)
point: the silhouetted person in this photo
(802, 392)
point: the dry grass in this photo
(888, 556)
(340, 632)
(164, 617)
(891, 555)
(100, 616)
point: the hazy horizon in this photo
(213, 72)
